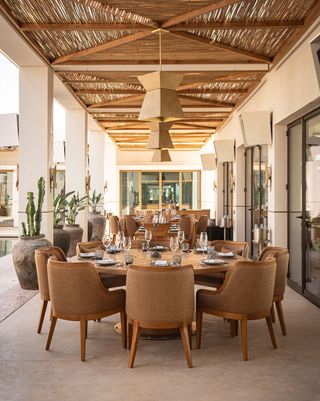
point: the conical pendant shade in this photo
(161, 155)
(159, 135)
(161, 101)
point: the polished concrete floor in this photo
(29, 373)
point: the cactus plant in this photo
(34, 217)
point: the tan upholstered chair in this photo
(188, 224)
(202, 225)
(41, 258)
(78, 294)
(240, 248)
(130, 226)
(246, 294)
(114, 226)
(282, 258)
(87, 247)
(160, 298)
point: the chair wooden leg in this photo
(134, 343)
(83, 324)
(199, 328)
(51, 314)
(281, 317)
(186, 345)
(273, 319)
(123, 317)
(130, 333)
(42, 315)
(51, 331)
(273, 339)
(232, 328)
(244, 338)
(86, 332)
(236, 327)
(190, 335)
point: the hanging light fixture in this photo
(160, 107)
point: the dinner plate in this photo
(200, 250)
(87, 255)
(159, 248)
(226, 255)
(161, 263)
(211, 262)
(107, 262)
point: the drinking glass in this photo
(176, 259)
(144, 245)
(212, 254)
(181, 237)
(174, 244)
(203, 241)
(148, 236)
(106, 240)
(185, 246)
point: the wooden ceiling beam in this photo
(82, 27)
(104, 46)
(206, 101)
(199, 11)
(231, 49)
(135, 92)
(117, 102)
(272, 24)
(116, 12)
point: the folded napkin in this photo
(87, 254)
(225, 254)
(161, 263)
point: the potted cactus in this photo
(61, 237)
(73, 206)
(32, 239)
(96, 219)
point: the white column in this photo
(77, 159)
(97, 161)
(35, 140)
(239, 196)
(219, 192)
(112, 193)
(277, 208)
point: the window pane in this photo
(6, 198)
(150, 190)
(190, 190)
(168, 176)
(129, 191)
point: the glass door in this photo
(6, 198)
(312, 130)
(304, 206)
(170, 189)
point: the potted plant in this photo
(61, 237)
(96, 220)
(73, 206)
(32, 239)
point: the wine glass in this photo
(148, 236)
(127, 244)
(119, 239)
(174, 244)
(203, 241)
(181, 237)
(106, 240)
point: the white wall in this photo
(289, 91)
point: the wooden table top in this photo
(144, 258)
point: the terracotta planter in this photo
(23, 260)
(61, 238)
(98, 226)
(75, 233)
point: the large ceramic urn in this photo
(75, 233)
(61, 238)
(98, 226)
(23, 260)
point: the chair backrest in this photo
(202, 224)
(240, 248)
(281, 256)
(160, 294)
(75, 289)
(85, 247)
(41, 258)
(130, 226)
(188, 225)
(114, 224)
(248, 288)
(161, 230)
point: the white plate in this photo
(87, 255)
(213, 261)
(226, 255)
(106, 262)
